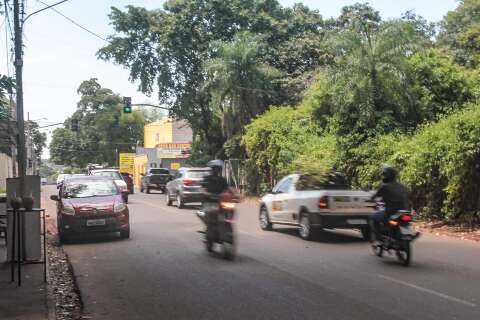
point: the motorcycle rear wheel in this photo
(228, 251)
(404, 253)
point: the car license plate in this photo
(96, 222)
(356, 221)
(406, 230)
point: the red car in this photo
(91, 204)
(129, 180)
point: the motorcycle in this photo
(396, 235)
(222, 227)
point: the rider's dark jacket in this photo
(395, 197)
(215, 184)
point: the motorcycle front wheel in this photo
(404, 253)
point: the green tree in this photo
(169, 48)
(241, 87)
(39, 139)
(103, 131)
(461, 33)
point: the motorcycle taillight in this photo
(406, 218)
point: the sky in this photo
(59, 55)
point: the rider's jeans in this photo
(377, 219)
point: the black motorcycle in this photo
(220, 225)
(397, 235)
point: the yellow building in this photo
(166, 130)
(164, 141)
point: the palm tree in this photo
(370, 80)
(239, 84)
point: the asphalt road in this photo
(163, 272)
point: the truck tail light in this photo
(323, 202)
(187, 182)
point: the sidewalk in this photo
(28, 302)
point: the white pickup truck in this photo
(314, 206)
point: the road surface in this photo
(163, 272)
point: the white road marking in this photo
(432, 292)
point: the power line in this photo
(8, 27)
(75, 23)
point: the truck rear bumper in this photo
(341, 221)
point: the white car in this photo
(117, 177)
(300, 201)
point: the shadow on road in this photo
(324, 236)
(95, 238)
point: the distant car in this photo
(129, 180)
(117, 177)
(43, 181)
(91, 204)
(155, 179)
(186, 186)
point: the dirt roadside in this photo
(62, 287)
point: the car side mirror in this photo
(54, 197)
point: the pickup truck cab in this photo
(155, 179)
(330, 204)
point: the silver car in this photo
(186, 187)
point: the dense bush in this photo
(440, 163)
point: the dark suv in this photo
(187, 186)
(155, 179)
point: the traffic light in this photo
(127, 105)
(74, 124)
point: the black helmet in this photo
(388, 173)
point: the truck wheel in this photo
(305, 230)
(167, 197)
(366, 233)
(180, 203)
(264, 219)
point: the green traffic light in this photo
(127, 109)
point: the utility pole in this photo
(21, 152)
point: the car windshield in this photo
(197, 174)
(159, 171)
(112, 174)
(333, 181)
(93, 188)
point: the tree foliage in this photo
(103, 131)
(461, 33)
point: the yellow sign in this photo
(127, 162)
(174, 165)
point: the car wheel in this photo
(141, 188)
(167, 197)
(180, 203)
(125, 234)
(63, 238)
(148, 190)
(125, 199)
(264, 219)
(305, 230)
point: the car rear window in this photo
(159, 171)
(197, 174)
(93, 188)
(112, 174)
(332, 181)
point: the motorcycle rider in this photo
(214, 185)
(393, 194)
